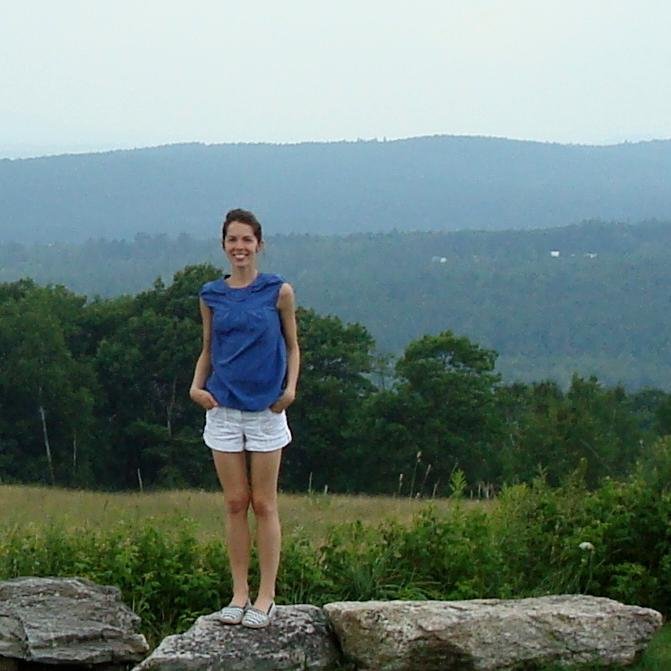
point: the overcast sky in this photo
(102, 74)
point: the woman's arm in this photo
(198, 393)
(287, 308)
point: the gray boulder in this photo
(299, 637)
(66, 621)
(491, 634)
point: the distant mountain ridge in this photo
(426, 183)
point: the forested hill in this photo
(592, 298)
(429, 183)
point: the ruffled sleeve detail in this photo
(210, 292)
(265, 280)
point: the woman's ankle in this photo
(240, 597)
(264, 601)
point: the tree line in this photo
(94, 393)
(599, 308)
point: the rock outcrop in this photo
(491, 634)
(67, 621)
(298, 638)
(74, 623)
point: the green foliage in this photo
(654, 466)
(657, 657)
(95, 395)
(46, 393)
(335, 361)
(457, 484)
(588, 427)
(100, 388)
(440, 414)
(613, 541)
(663, 416)
(167, 579)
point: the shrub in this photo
(614, 541)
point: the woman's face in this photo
(241, 245)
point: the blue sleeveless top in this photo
(248, 352)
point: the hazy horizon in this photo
(85, 77)
(25, 152)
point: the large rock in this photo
(66, 621)
(491, 634)
(298, 638)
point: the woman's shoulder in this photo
(269, 281)
(285, 296)
(217, 285)
(272, 279)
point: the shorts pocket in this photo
(271, 422)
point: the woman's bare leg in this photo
(232, 472)
(265, 468)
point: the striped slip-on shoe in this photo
(257, 619)
(232, 614)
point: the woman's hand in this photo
(203, 398)
(284, 401)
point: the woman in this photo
(245, 378)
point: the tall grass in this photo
(310, 514)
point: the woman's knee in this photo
(264, 506)
(237, 503)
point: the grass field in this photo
(658, 655)
(22, 506)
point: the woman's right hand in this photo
(203, 398)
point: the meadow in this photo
(311, 515)
(164, 549)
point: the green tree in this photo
(47, 395)
(335, 362)
(663, 417)
(442, 414)
(557, 432)
(146, 364)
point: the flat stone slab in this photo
(491, 634)
(66, 621)
(299, 637)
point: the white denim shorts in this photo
(230, 430)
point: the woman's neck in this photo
(241, 277)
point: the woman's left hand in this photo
(284, 401)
